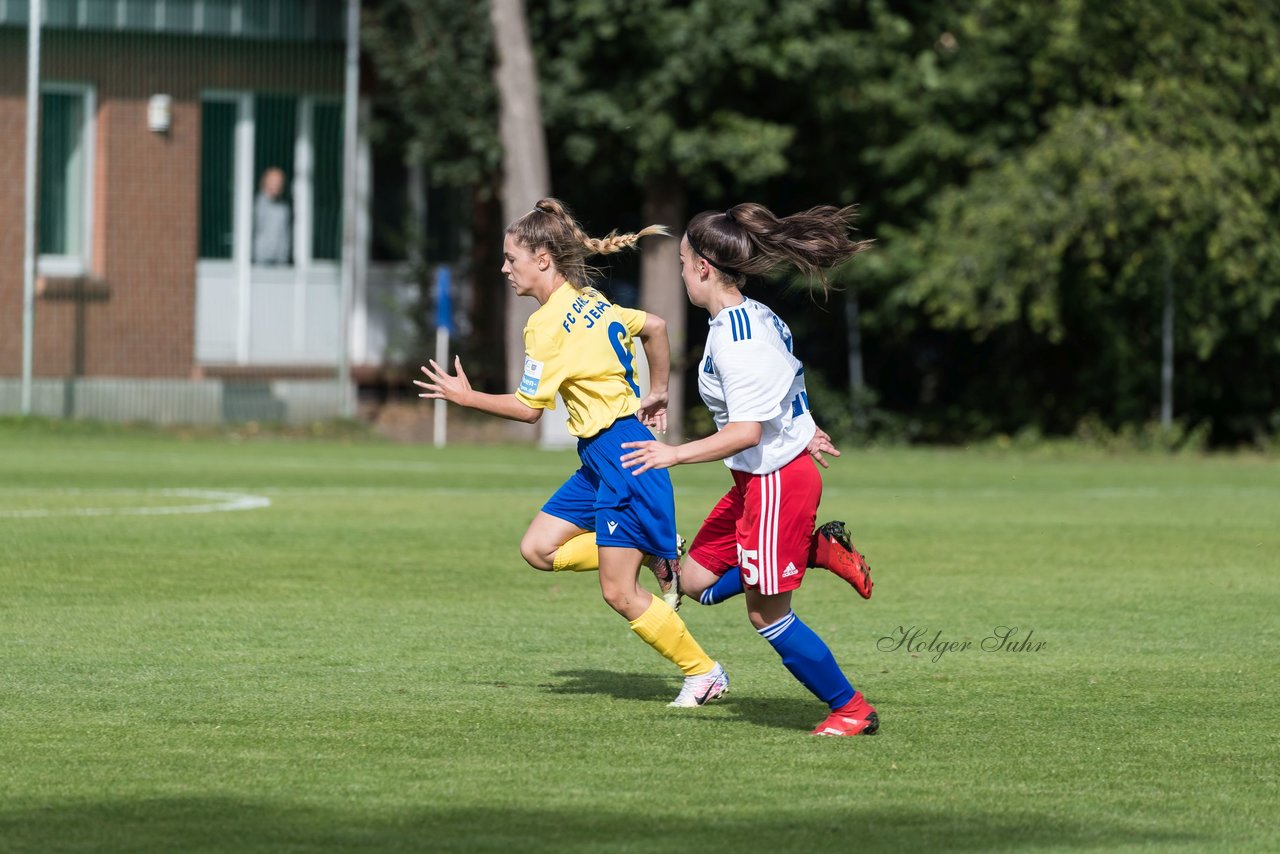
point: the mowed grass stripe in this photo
(367, 664)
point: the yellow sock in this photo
(661, 628)
(578, 555)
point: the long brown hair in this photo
(551, 226)
(750, 240)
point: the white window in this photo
(247, 137)
(66, 178)
(270, 231)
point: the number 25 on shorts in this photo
(747, 562)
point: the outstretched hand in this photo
(648, 455)
(821, 444)
(653, 412)
(442, 386)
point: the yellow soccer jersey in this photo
(583, 346)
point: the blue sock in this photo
(809, 660)
(726, 587)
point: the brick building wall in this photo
(139, 320)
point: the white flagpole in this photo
(441, 407)
(350, 193)
(444, 325)
(29, 212)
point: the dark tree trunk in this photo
(853, 341)
(488, 312)
(526, 173)
(661, 291)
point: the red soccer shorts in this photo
(764, 525)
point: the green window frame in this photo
(66, 177)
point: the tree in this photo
(526, 173)
(687, 98)
(1157, 166)
(1036, 176)
(432, 63)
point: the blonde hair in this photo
(551, 226)
(749, 239)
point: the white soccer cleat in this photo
(672, 596)
(700, 690)
(667, 572)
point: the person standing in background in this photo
(272, 220)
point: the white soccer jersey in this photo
(748, 373)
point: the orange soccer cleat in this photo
(833, 550)
(856, 717)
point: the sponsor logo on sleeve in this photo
(532, 376)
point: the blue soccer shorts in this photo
(625, 510)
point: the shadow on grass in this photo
(783, 713)
(228, 824)
(789, 713)
(622, 686)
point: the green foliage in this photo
(856, 419)
(433, 60)
(1108, 195)
(705, 90)
(1032, 173)
(1141, 148)
(1180, 438)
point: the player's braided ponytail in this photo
(551, 226)
(749, 239)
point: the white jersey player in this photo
(759, 538)
(749, 373)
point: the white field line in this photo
(216, 502)
(221, 501)
(368, 464)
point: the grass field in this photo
(367, 664)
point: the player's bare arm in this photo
(657, 350)
(457, 389)
(734, 437)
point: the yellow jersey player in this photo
(582, 347)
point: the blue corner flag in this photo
(444, 299)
